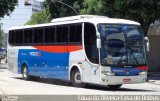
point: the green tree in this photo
(1, 36)
(38, 18)
(55, 9)
(143, 11)
(7, 6)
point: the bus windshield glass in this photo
(122, 45)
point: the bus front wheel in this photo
(76, 78)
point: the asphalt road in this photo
(13, 84)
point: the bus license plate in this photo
(126, 80)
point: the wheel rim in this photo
(25, 72)
(77, 78)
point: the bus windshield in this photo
(122, 45)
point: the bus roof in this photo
(95, 19)
(79, 17)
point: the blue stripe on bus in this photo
(125, 71)
(45, 64)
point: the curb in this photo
(3, 66)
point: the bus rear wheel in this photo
(28, 77)
(76, 78)
(25, 73)
(114, 86)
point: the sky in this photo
(18, 17)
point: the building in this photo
(154, 53)
(37, 6)
(28, 2)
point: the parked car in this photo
(3, 53)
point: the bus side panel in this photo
(51, 61)
(42, 62)
(55, 65)
(54, 61)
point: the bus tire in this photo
(25, 73)
(35, 78)
(76, 78)
(112, 87)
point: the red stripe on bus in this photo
(142, 68)
(58, 49)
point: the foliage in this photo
(1, 36)
(7, 6)
(55, 9)
(38, 18)
(98, 7)
(143, 11)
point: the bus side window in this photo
(38, 35)
(46, 35)
(52, 38)
(49, 35)
(28, 36)
(75, 33)
(19, 37)
(35, 37)
(65, 34)
(58, 34)
(12, 37)
(72, 33)
(61, 35)
(78, 37)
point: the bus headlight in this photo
(143, 73)
(108, 73)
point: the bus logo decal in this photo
(35, 54)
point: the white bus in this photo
(82, 49)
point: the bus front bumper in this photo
(115, 80)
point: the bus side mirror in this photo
(146, 43)
(98, 43)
